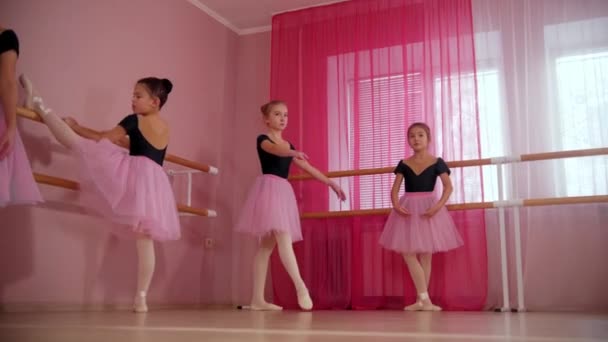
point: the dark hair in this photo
(422, 125)
(267, 107)
(157, 87)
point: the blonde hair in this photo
(267, 107)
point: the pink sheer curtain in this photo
(355, 75)
(545, 65)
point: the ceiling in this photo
(251, 16)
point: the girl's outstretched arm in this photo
(306, 166)
(117, 135)
(281, 151)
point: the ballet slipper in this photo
(140, 305)
(304, 300)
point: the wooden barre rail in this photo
(31, 115)
(533, 202)
(465, 163)
(72, 185)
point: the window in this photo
(484, 128)
(582, 86)
(387, 105)
(370, 115)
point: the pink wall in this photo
(85, 65)
(253, 88)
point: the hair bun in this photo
(167, 84)
(267, 107)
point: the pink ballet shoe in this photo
(140, 306)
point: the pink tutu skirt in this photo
(132, 191)
(415, 233)
(270, 207)
(17, 184)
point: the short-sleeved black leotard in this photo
(139, 146)
(425, 181)
(273, 164)
(9, 41)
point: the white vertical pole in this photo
(518, 262)
(503, 243)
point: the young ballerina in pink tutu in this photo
(17, 185)
(130, 188)
(270, 212)
(419, 225)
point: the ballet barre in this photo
(31, 115)
(501, 204)
(466, 163)
(188, 173)
(532, 202)
(72, 185)
(185, 210)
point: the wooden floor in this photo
(293, 326)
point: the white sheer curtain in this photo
(543, 86)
